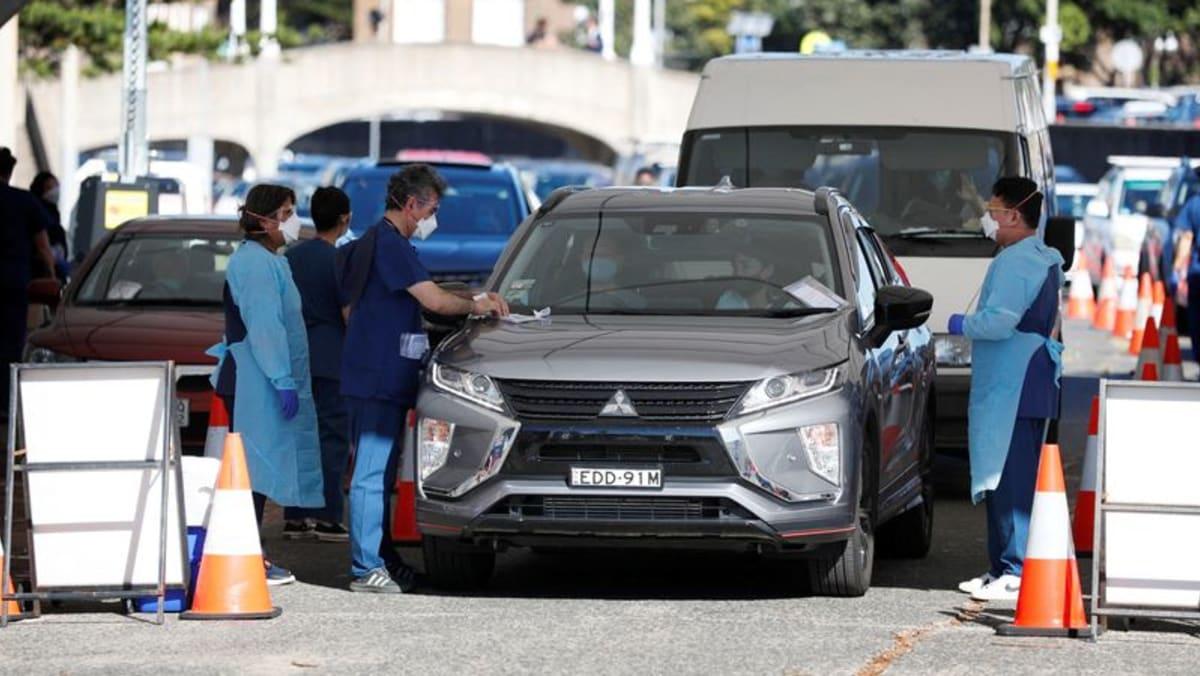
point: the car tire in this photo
(848, 571)
(456, 566)
(910, 535)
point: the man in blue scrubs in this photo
(312, 264)
(1014, 378)
(384, 285)
(1187, 221)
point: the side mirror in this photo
(1097, 208)
(898, 308)
(1060, 234)
(45, 291)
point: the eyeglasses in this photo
(437, 205)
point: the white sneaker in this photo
(975, 584)
(1003, 588)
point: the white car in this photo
(1071, 199)
(1116, 219)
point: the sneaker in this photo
(303, 529)
(975, 584)
(1003, 588)
(329, 531)
(278, 575)
(376, 582)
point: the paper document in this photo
(814, 294)
(537, 316)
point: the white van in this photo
(914, 139)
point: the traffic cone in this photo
(1106, 305)
(1168, 326)
(1151, 352)
(1172, 370)
(1158, 302)
(1084, 524)
(1149, 372)
(1081, 304)
(232, 584)
(1145, 301)
(1126, 307)
(13, 609)
(1050, 602)
(218, 427)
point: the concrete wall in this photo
(265, 105)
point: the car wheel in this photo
(910, 535)
(452, 565)
(848, 571)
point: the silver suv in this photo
(718, 368)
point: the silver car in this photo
(706, 368)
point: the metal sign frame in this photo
(1100, 607)
(170, 476)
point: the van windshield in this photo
(905, 181)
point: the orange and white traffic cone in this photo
(218, 427)
(1145, 302)
(404, 511)
(1148, 372)
(1050, 602)
(1151, 352)
(12, 608)
(1172, 370)
(1168, 325)
(1084, 525)
(1106, 305)
(1081, 304)
(1158, 301)
(1126, 307)
(232, 584)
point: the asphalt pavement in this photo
(628, 611)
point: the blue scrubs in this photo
(381, 367)
(1188, 220)
(312, 264)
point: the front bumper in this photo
(738, 484)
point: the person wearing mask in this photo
(23, 225)
(1016, 364)
(45, 187)
(754, 295)
(312, 264)
(384, 285)
(263, 374)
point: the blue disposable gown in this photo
(283, 456)
(1000, 354)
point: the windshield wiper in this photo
(937, 233)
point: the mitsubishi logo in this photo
(619, 406)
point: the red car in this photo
(150, 291)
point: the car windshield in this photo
(902, 180)
(675, 264)
(159, 270)
(477, 202)
(1073, 206)
(1139, 195)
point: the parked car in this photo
(482, 207)
(1117, 218)
(1072, 200)
(732, 369)
(150, 291)
(545, 176)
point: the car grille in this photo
(598, 508)
(601, 453)
(666, 402)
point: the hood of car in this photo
(650, 349)
(134, 334)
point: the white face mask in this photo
(290, 229)
(990, 226)
(425, 227)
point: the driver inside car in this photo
(608, 271)
(747, 267)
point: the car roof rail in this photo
(555, 198)
(825, 200)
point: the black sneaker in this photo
(304, 529)
(376, 582)
(329, 531)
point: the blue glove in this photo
(289, 403)
(956, 324)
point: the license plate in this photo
(599, 477)
(182, 411)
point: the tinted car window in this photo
(682, 263)
(477, 202)
(1073, 206)
(159, 269)
(1139, 195)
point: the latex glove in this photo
(289, 403)
(956, 324)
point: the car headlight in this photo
(779, 390)
(474, 387)
(433, 445)
(824, 450)
(952, 350)
(42, 355)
